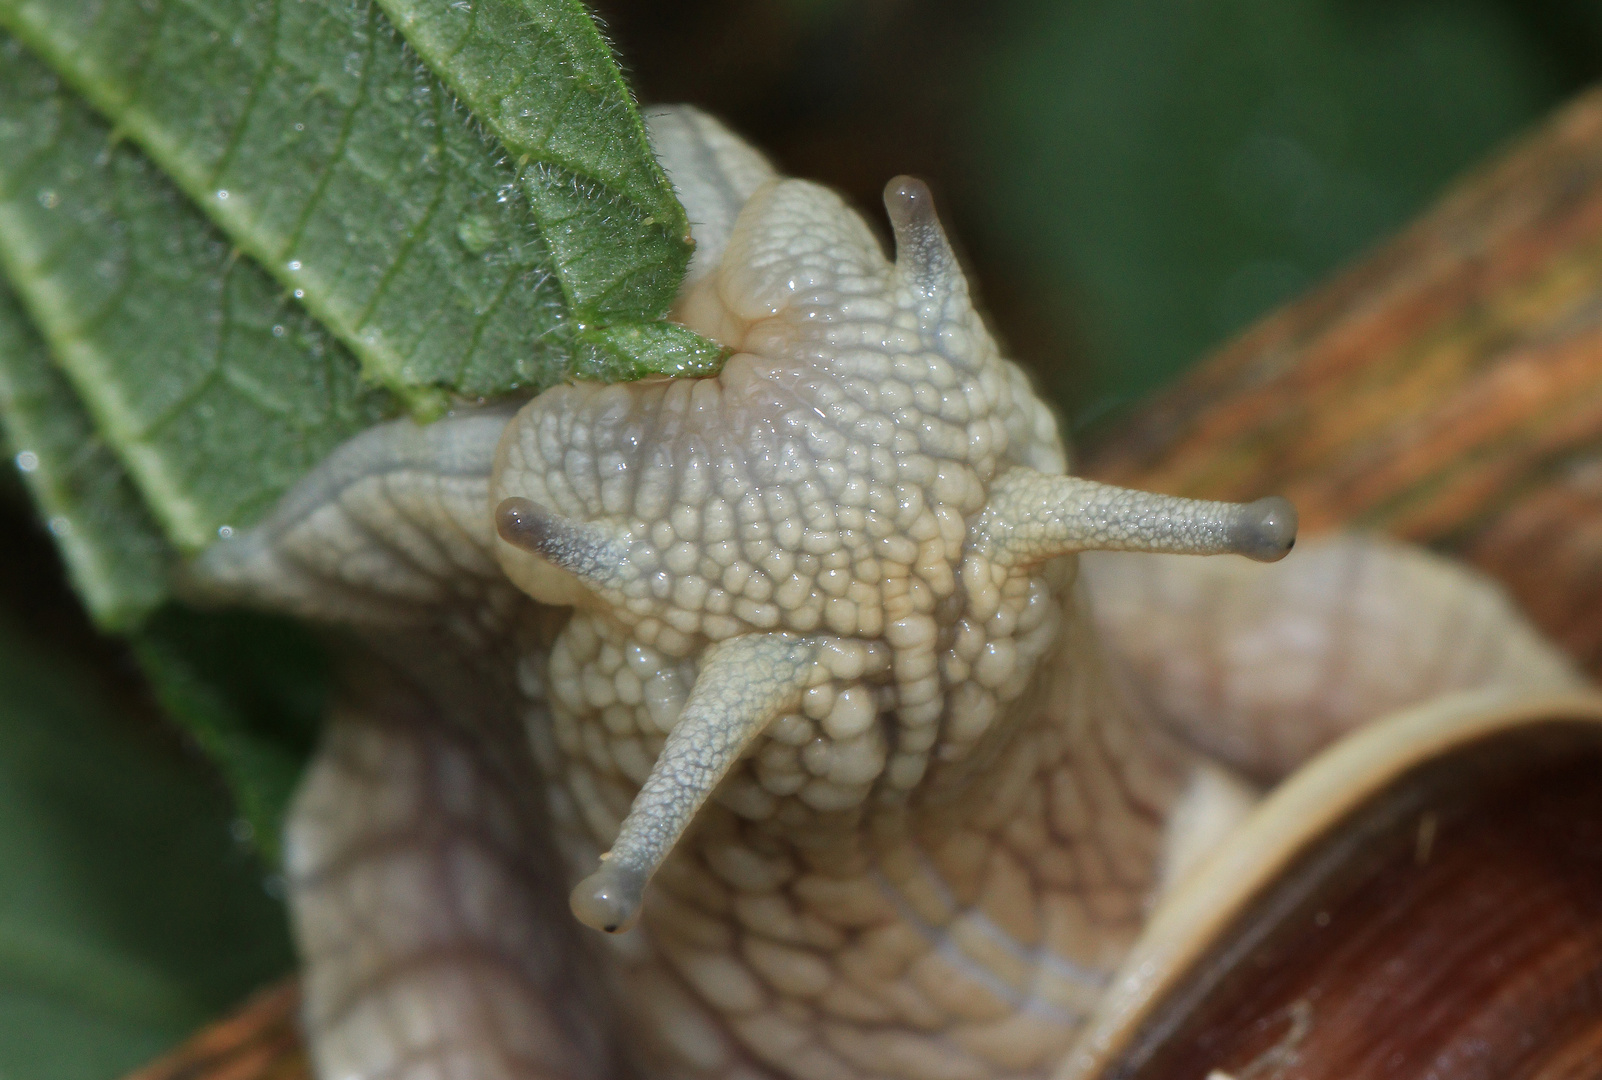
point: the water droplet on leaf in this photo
(476, 232)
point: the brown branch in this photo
(261, 1041)
(1448, 388)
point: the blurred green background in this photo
(1132, 181)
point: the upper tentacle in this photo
(1032, 517)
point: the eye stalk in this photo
(1033, 516)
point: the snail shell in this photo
(1422, 900)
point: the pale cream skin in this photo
(782, 681)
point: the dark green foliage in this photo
(250, 689)
(127, 913)
(1169, 171)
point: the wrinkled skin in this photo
(805, 649)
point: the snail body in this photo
(792, 667)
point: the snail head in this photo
(817, 582)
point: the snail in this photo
(772, 723)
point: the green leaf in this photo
(312, 136)
(215, 391)
(541, 78)
(625, 351)
(127, 914)
(114, 552)
(250, 689)
(282, 196)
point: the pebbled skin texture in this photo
(924, 818)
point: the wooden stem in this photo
(261, 1041)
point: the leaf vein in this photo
(258, 85)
